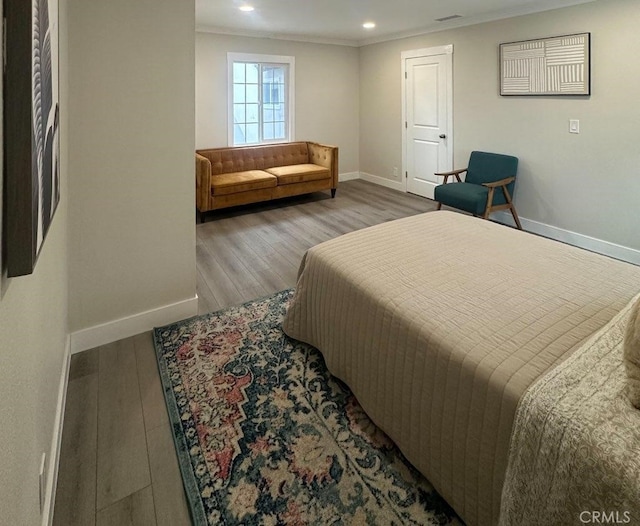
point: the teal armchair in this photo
(488, 186)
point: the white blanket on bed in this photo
(575, 448)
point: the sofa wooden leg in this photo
(333, 192)
(203, 217)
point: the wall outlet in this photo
(395, 171)
(43, 480)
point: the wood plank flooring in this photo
(252, 251)
(118, 464)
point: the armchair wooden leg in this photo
(333, 192)
(487, 210)
(512, 208)
(515, 217)
(439, 206)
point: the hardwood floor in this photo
(253, 251)
(118, 464)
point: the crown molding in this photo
(276, 36)
(527, 9)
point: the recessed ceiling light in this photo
(246, 8)
(369, 25)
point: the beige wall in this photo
(132, 226)
(33, 339)
(123, 238)
(586, 183)
(326, 91)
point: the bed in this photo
(440, 323)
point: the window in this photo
(260, 99)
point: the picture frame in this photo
(31, 131)
(558, 65)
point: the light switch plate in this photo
(574, 126)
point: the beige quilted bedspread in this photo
(440, 322)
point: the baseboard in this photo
(348, 176)
(56, 440)
(559, 234)
(382, 181)
(573, 238)
(132, 325)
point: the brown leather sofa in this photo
(239, 175)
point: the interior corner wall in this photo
(326, 91)
(132, 138)
(586, 183)
(33, 346)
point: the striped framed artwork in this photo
(547, 66)
(31, 130)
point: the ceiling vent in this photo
(445, 18)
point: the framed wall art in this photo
(31, 130)
(547, 66)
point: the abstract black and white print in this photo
(45, 128)
(550, 66)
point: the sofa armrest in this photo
(203, 182)
(327, 156)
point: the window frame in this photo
(289, 93)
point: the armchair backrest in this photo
(487, 167)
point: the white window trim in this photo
(254, 57)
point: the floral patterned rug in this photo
(265, 435)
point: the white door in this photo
(428, 94)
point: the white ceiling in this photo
(340, 21)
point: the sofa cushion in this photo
(231, 183)
(299, 173)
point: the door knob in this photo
(442, 136)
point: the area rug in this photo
(265, 435)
